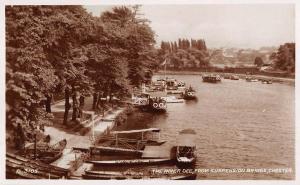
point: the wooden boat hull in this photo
(28, 172)
(131, 162)
(51, 159)
(37, 164)
(190, 97)
(114, 177)
(36, 169)
(266, 82)
(98, 150)
(155, 143)
(211, 79)
(147, 142)
(50, 155)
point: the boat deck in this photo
(67, 159)
(157, 152)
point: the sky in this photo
(220, 25)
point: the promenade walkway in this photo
(99, 125)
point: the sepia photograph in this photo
(150, 91)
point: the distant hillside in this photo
(193, 55)
(235, 57)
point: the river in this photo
(239, 124)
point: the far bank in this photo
(285, 80)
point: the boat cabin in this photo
(186, 147)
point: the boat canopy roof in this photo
(158, 94)
(187, 138)
(136, 131)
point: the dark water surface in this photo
(239, 124)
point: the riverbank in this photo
(289, 81)
(85, 137)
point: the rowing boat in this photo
(18, 164)
(131, 162)
(28, 172)
(112, 173)
(124, 177)
(49, 155)
(22, 162)
(98, 150)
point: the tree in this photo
(45, 55)
(284, 58)
(258, 61)
(55, 50)
(133, 37)
(29, 74)
(193, 52)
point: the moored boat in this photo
(19, 167)
(172, 99)
(211, 78)
(28, 172)
(266, 81)
(46, 154)
(150, 103)
(226, 76)
(186, 147)
(250, 79)
(234, 77)
(112, 173)
(102, 149)
(131, 162)
(181, 85)
(143, 177)
(189, 94)
(157, 104)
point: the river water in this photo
(239, 124)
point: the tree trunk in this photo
(75, 104)
(111, 100)
(48, 103)
(67, 105)
(81, 106)
(95, 100)
(99, 101)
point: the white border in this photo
(112, 2)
